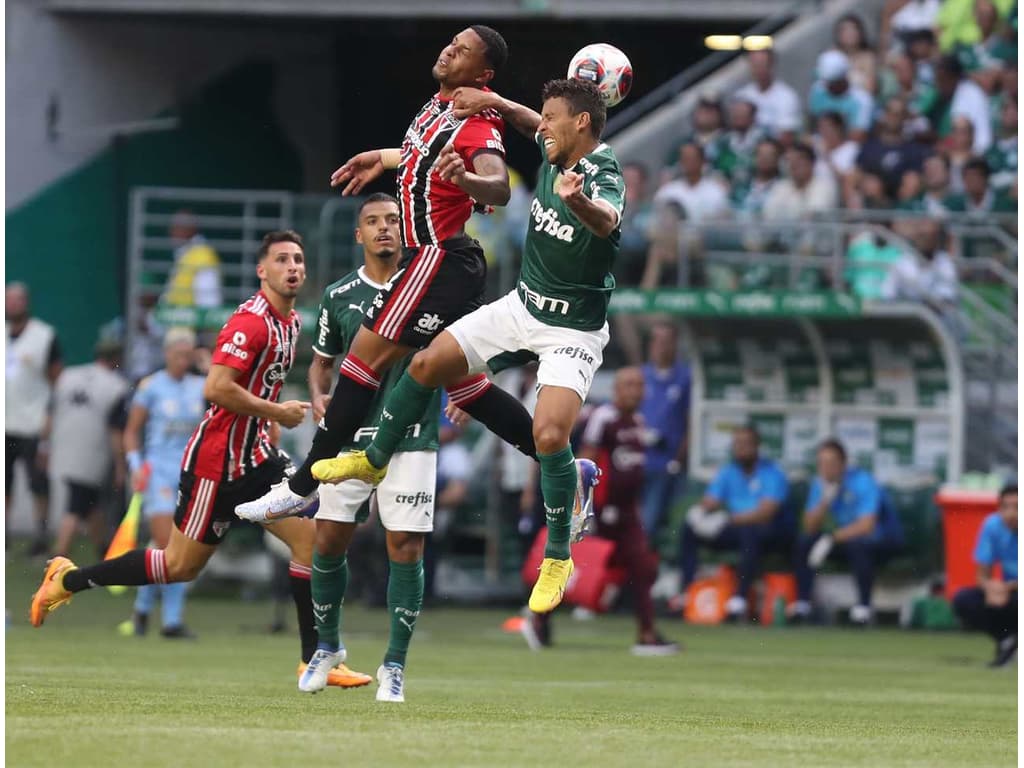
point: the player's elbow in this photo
(213, 392)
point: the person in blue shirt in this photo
(166, 408)
(842, 518)
(665, 409)
(991, 607)
(736, 513)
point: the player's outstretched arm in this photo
(364, 168)
(222, 388)
(472, 101)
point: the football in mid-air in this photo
(605, 66)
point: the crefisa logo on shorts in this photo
(414, 500)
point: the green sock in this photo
(329, 581)
(405, 598)
(404, 406)
(558, 487)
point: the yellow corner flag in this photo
(126, 537)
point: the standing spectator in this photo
(803, 193)
(850, 37)
(86, 431)
(837, 154)
(736, 513)
(844, 517)
(991, 607)
(887, 153)
(735, 156)
(166, 408)
(614, 437)
(665, 409)
(927, 275)
(1002, 155)
(33, 365)
(958, 96)
(778, 106)
(833, 92)
(195, 281)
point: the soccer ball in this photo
(605, 66)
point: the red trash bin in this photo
(963, 512)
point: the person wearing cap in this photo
(778, 106)
(166, 408)
(833, 92)
(85, 429)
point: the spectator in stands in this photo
(887, 153)
(958, 96)
(983, 61)
(850, 37)
(778, 106)
(843, 516)
(936, 193)
(33, 365)
(837, 154)
(803, 193)
(1002, 155)
(927, 275)
(707, 127)
(195, 281)
(958, 25)
(86, 430)
(637, 219)
(735, 156)
(901, 18)
(666, 411)
(958, 148)
(899, 79)
(833, 92)
(978, 197)
(736, 513)
(866, 192)
(697, 196)
(748, 199)
(991, 607)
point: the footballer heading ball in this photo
(605, 66)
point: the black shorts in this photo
(435, 286)
(83, 499)
(206, 508)
(25, 449)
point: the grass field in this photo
(78, 695)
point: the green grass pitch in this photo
(79, 695)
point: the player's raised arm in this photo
(472, 101)
(364, 168)
(596, 215)
(487, 183)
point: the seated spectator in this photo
(844, 517)
(991, 607)
(734, 156)
(927, 275)
(748, 198)
(736, 513)
(957, 23)
(832, 92)
(708, 125)
(958, 96)
(958, 147)
(803, 193)
(868, 260)
(837, 154)
(983, 61)
(850, 37)
(899, 80)
(887, 153)
(923, 49)
(778, 106)
(1002, 155)
(866, 192)
(698, 196)
(978, 197)
(637, 218)
(901, 18)
(936, 190)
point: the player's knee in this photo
(181, 569)
(549, 437)
(425, 367)
(405, 547)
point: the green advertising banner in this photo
(685, 301)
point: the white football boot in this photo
(391, 683)
(314, 678)
(279, 502)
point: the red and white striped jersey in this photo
(260, 343)
(432, 209)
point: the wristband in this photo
(391, 158)
(134, 459)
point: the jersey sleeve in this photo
(607, 186)
(240, 342)
(480, 134)
(328, 341)
(144, 396)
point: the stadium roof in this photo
(637, 9)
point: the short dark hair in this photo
(582, 96)
(1009, 489)
(832, 444)
(279, 236)
(836, 118)
(376, 197)
(979, 164)
(858, 22)
(951, 63)
(695, 145)
(638, 167)
(804, 149)
(495, 47)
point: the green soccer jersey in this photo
(566, 279)
(338, 319)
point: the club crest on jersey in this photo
(275, 373)
(546, 220)
(220, 527)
